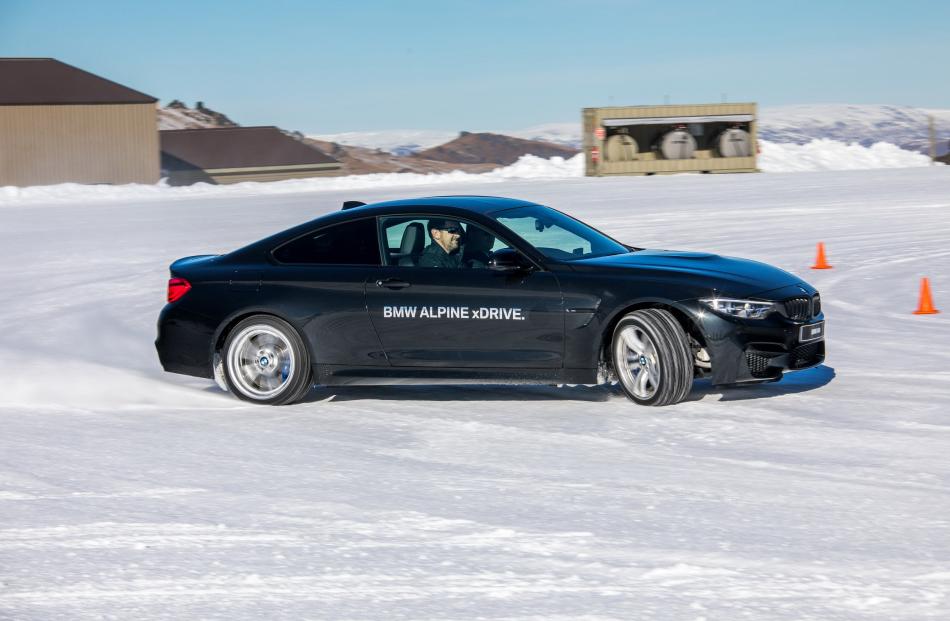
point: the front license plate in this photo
(812, 332)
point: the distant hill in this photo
(485, 148)
(177, 115)
(904, 126)
(395, 141)
(409, 141)
(425, 151)
(468, 152)
(564, 134)
(360, 160)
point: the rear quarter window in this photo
(350, 243)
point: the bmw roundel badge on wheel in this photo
(482, 289)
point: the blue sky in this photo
(323, 67)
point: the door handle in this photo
(392, 283)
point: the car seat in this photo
(478, 244)
(413, 242)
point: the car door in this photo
(468, 317)
(317, 282)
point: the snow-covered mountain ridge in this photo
(904, 126)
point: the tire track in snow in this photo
(138, 536)
(147, 493)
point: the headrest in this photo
(413, 238)
(478, 239)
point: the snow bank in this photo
(824, 154)
(527, 167)
(816, 155)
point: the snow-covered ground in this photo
(128, 493)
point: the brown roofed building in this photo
(234, 154)
(61, 124)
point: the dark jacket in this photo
(434, 256)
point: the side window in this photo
(406, 239)
(548, 237)
(457, 244)
(352, 243)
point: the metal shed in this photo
(646, 140)
(234, 154)
(61, 124)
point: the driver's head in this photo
(446, 233)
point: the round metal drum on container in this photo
(621, 148)
(677, 144)
(734, 142)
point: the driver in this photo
(444, 249)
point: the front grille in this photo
(815, 305)
(797, 308)
(758, 364)
(804, 355)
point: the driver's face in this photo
(448, 237)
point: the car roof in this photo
(478, 204)
(458, 206)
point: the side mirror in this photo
(508, 260)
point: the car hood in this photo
(707, 272)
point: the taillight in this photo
(177, 287)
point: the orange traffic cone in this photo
(926, 304)
(821, 263)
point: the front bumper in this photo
(743, 350)
(763, 363)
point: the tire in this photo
(652, 358)
(266, 362)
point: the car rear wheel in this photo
(651, 357)
(266, 361)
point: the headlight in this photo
(746, 309)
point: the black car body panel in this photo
(701, 271)
(536, 344)
(549, 322)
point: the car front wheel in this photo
(651, 357)
(265, 361)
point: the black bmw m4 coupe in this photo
(454, 289)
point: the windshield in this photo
(555, 235)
